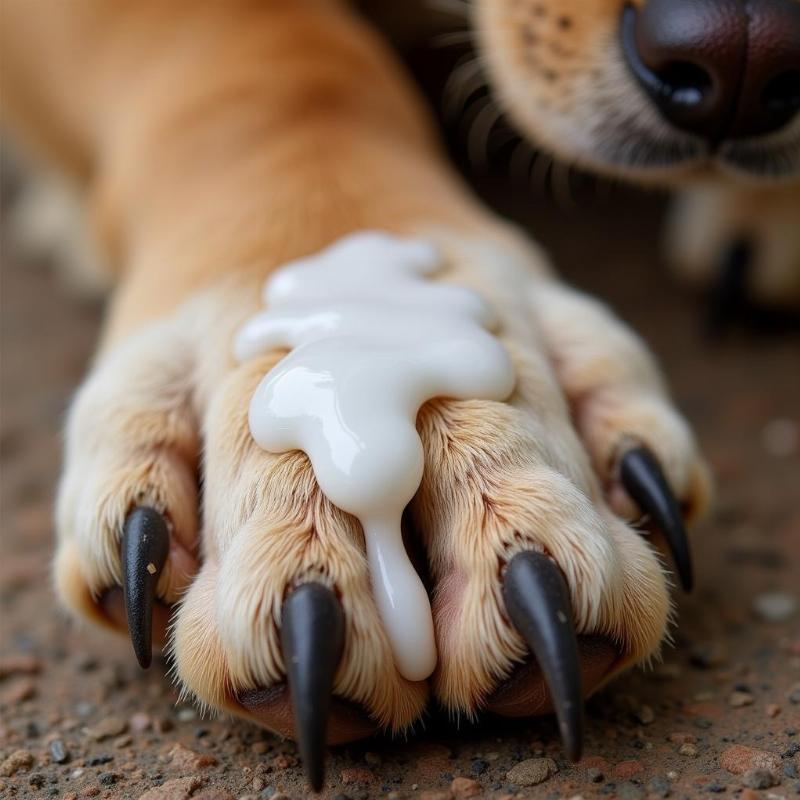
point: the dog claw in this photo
(145, 546)
(537, 600)
(728, 297)
(312, 638)
(644, 481)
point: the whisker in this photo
(479, 133)
(457, 8)
(466, 79)
(540, 175)
(562, 186)
(520, 163)
(452, 38)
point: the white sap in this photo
(371, 339)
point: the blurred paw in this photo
(742, 245)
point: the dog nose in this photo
(721, 69)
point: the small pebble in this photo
(36, 780)
(759, 779)
(688, 750)
(175, 789)
(791, 751)
(188, 760)
(285, 761)
(595, 775)
(139, 722)
(19, 759)
(645, 715)
(58, 752)
(740, 699)
(106, 728)
(532, 771)
(775, 606)
(739, 759)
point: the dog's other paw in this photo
(741, 243)
(49, 222)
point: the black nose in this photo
(717, 68)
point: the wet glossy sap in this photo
(372, 338)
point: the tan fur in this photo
(218, 141)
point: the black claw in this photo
(537, 600)
(728, 300)
(145, 545)
(644, 481)
(312, 638)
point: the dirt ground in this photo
(720, 715)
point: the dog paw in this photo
(271, 584)
(284, 592)
(741, 244)
(540, 590)
(127, 509)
